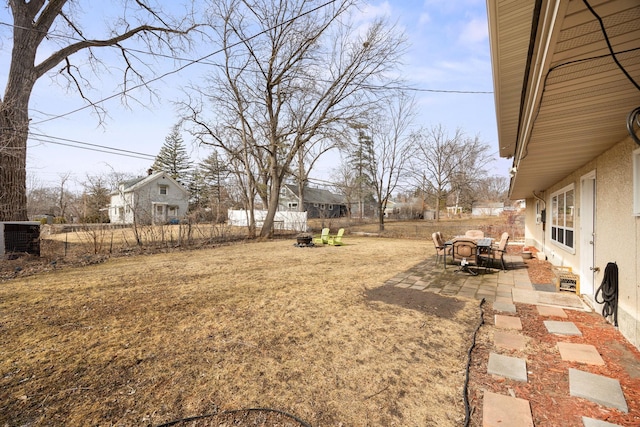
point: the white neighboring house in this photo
(153, 199)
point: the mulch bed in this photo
(547, 388)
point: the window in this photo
(636, 182)
(292, 205)
(164, 189)
(330, 207)
(562, 216)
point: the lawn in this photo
(314, 332)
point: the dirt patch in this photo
(244, 417)
(413, 299)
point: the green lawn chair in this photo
(323, 238)
(337, 239)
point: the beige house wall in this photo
(617, 231)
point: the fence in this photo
(283, 220)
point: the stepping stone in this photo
(544, 310)
(504, 306)
(583, 353)
(508, 322)
(592, 422)
(500, 411)
(506, 366)
(509, 341)
(562, 328)
(597, 388)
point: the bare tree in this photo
(53, 26)
(391, 149)
(63, 196)
(293, 71)
(445, 163)
(345, 181)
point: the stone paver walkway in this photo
(503, 289)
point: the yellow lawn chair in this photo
(337, 239)
(323, 238)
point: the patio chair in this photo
(497, 252)
(465, 250)
(441, 249)
(337, 239)
(474, 234)
(323, 238)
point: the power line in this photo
(92, 147)
(215, 64)
(191, 62)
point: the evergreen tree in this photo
(214, 173)
(173, 157)
(362, 159)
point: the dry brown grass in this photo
(148, 339)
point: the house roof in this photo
(134, 184)
(561, 100)
(317, 195)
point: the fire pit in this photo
(304, 240)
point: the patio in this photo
(492, 284)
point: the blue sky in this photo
(448, 50)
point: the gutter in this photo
(534, 72)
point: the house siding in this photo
(617, 231)
(139, 202)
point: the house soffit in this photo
(581, 106)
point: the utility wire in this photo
(191, 62)
(93, 149)
(606, 39)
(202, 60)
(88, 144)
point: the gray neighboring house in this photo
(153, 199)
(318, 203)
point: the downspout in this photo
(543, 219)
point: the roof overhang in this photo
(561, 99)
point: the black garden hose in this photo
(467, 406)
(609, 289)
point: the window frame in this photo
(562, 214)
(163, 187)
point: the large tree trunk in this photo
(274, 196)
(14, 130)
(13, 159)
(381, 208)
(14, 119)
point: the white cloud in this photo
(370, 11)
(425, 18)
(474, 31)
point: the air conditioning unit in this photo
(19, 237)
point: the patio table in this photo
(484, 246)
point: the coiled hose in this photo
(609, 289)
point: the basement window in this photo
(562, 218)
